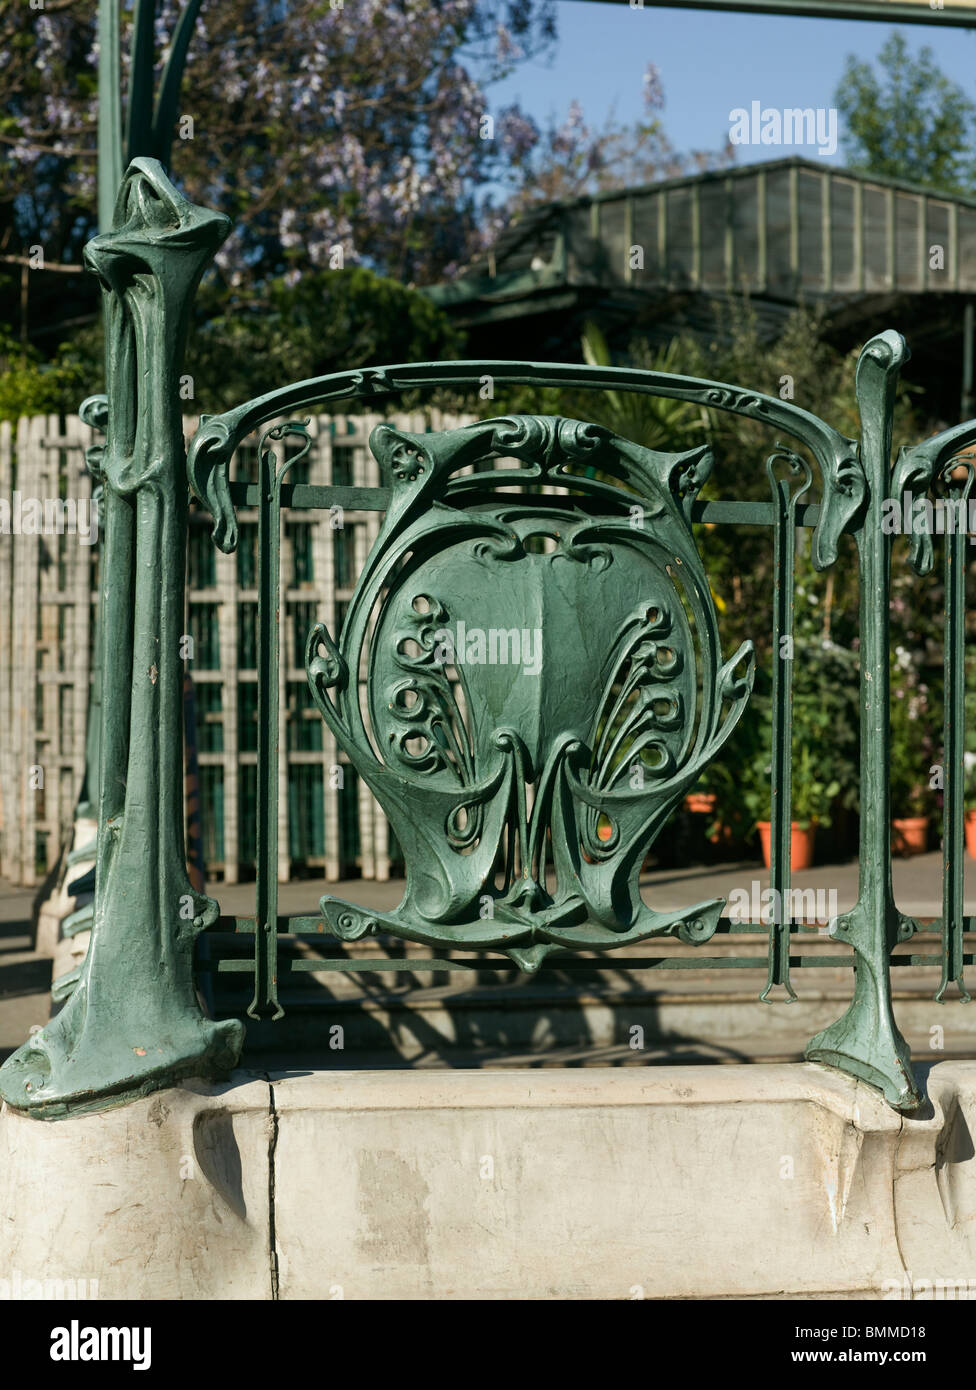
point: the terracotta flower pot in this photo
(909, 835)
(801, 843)
(702, 802)
(970, 828)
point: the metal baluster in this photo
(781, 779)
(265, 1001)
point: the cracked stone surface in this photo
(759, 1181)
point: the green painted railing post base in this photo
(866, 1042)
(75, 1066)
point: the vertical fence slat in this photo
(52, 547)
(25, 652)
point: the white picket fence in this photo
(47, 591)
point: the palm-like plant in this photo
(654, 421)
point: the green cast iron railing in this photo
(530, 779)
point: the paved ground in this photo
(917, 883)
(25, 977)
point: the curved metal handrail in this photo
(837, 456)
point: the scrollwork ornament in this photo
(505, 781)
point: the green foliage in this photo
(30, 386)
(241, 346)
(825, 736)
(739, 779)
(813, 795)
(908, 121)
(653, 421)
(329, 321)
(245, 343)
(800, 365)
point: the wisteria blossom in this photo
(368, 127)
(311, 125)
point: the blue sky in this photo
(710, 62)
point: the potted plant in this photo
(824, 747)
(910, 756)
(710, 797)
(717, 795)
(814, 794)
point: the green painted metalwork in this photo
(133, 1022)
(451, 547)
(954, 744)
(110, 164)
(265, 1001)
(525, 791)
(586, 719)
(434, 965)
(784, 558)
(150, 135)
(866, 1041)
(215, 442)
(151, 112)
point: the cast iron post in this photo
(134, 1023)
